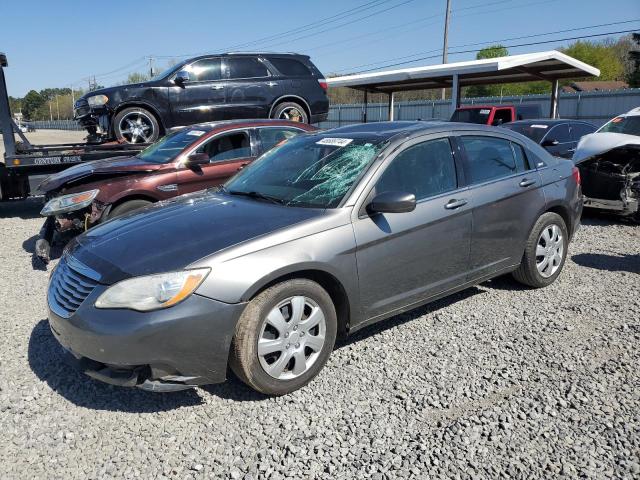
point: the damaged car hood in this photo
(171, 235)
(599, 143)
(105, 166)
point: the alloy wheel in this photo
(291, 338)
(549, 250)
(136, 127)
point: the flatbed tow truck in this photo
(23, 160)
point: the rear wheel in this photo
(290, 111)
(545, 252)
(284, 337)
(127, 207)
(136, 125)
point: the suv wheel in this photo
(284, 337)
(136, 125)
(545, 252)
(290, 111)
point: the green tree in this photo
(493, 51)
(31, 103)
(602, 55)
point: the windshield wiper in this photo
(257, 195)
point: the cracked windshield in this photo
(307, 171)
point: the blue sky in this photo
(56, 43)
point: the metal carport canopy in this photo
(550, 66)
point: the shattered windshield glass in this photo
(168, 148)
(314, 171)
(629, 125)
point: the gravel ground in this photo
(497, 381)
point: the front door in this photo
(202, 98)
(558, 141)
(228, 153)
(506, 199)
(404, 258)
(251, 91)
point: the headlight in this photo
(152, 292)
(97, 100)
(69, 203)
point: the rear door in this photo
(506, 199)
(203, 97)
(251, 89)
(269, 137)
(228, 153)
(405, 257)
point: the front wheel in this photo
(545, 252)
(284, 337)
(136, 125)
(127, 207)
(290, 111)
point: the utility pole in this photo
(58, 107)
(150, 66)
(445, 44)
(73, 100)
(50, 112)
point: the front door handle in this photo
(217, 87)
(526, 182)
(453, 204)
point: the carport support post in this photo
(391, 106)
(455, 93)
(365, 107)
(553, 110)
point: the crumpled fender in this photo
(599, 143)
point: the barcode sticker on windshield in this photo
(196, 133)
(336, 142)
(485, 111)
(535, 125)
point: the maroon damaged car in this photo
(184, 161)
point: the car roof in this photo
(240, 123)
(249, 54)
(545, 121)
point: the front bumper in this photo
(92, 118)
(167, 349)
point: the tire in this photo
(246, 360)
(136, 125)
(290, 111)
(128, 207)
(532, 270)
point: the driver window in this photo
(425, 169)
(227, 147)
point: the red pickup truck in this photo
(495, 115)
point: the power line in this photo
(506, 46)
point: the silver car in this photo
(319, 237)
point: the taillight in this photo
(323, 84)
(576, 175)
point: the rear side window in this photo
(227, 147)
(521, 159)
(270, 137)
(488, 158)
(205, 70)
(425, 169)
(290, 67)
(579, 130)
(246, 67)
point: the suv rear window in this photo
(246, 67)
(290, 67)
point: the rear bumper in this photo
(163, 350)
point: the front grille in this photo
(68, 288)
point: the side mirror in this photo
(197, 159)
(392, 202)
(182, 77)
(550, 142)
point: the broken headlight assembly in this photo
(69, 203)
(152, 292)
(97, 100)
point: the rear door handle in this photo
(453, 204)
(526, 182)
(217, 87)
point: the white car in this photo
(609, 162)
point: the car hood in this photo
(598, 143)
(171, 235)
(104, 166)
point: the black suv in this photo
(207, 88)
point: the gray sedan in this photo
(319, 237)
